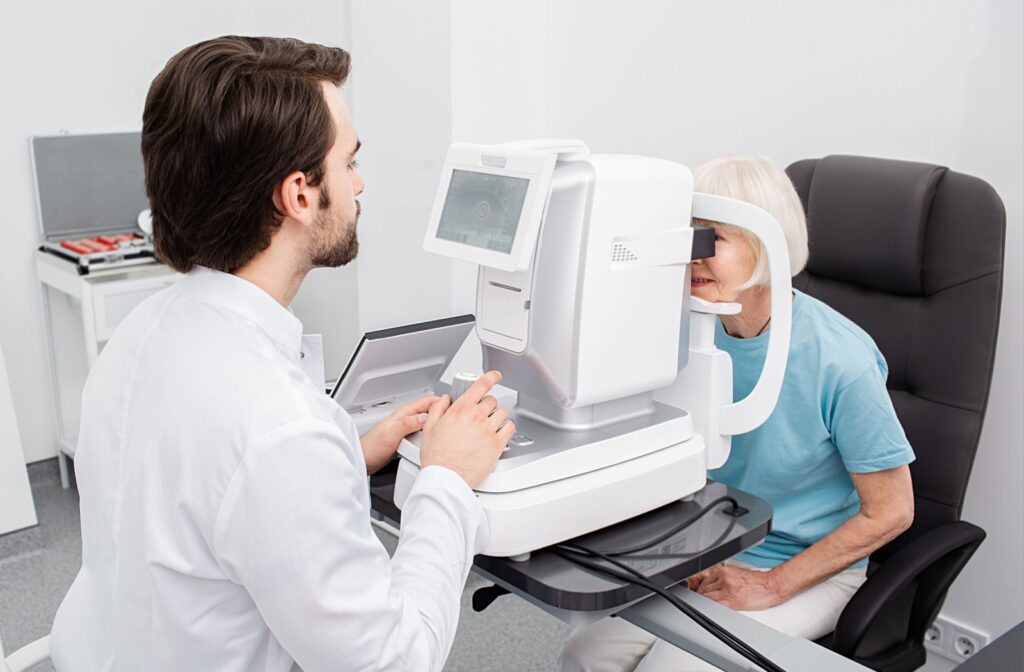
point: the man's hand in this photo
(467, 436)
(738, 588)
(381, 442)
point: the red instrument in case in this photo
(107, 251)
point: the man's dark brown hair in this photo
(225, 122)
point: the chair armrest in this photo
(959, 539)
(29, 655)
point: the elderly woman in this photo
(832, 458)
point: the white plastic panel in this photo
(536, 517)
(504, 176)
(503, 313)
(749, 413)
(629, 309)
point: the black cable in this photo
(701, 619)
(677, 529)
(705, 622)
(630, 575)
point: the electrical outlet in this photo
(955, 641)
(964, 646)
(935, 637)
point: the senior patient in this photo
(832, 458)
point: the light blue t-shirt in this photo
(833, 417)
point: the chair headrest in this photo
(868, 218)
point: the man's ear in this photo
(295, 197)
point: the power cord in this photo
(573, 553)
(578, 554)
(726, 531)
(735, 511)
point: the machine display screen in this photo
(482, 210)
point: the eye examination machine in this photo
(583, 303)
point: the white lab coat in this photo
(225, 509)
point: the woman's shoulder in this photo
(841, 346)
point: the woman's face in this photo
(718, 278)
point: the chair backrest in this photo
(913, 253)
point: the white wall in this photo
(926, 80)
(85, 68)
(402, 104)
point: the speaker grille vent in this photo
(622, 253)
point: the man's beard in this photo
(328, 251)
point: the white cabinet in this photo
(81, 313)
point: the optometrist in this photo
(224, 501)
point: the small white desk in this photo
(81, 312)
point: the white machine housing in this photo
(582, 290)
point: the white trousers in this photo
(613, 645)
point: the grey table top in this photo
(557, 582)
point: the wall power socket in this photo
(953, 639)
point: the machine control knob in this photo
(461, 383)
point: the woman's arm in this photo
(886, 510)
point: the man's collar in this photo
(248, 300)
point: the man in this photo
(225, 510)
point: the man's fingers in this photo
(499, 416)
(414, 423)
(489, 404)
(420, 405)
(479, 389)
(437, 409)
(505, 433)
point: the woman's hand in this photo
(738, 588)
(380, 443)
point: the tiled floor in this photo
(37, 566)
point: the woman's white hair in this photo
(758, 181)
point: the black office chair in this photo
(913, 253)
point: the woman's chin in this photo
(705, 292)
